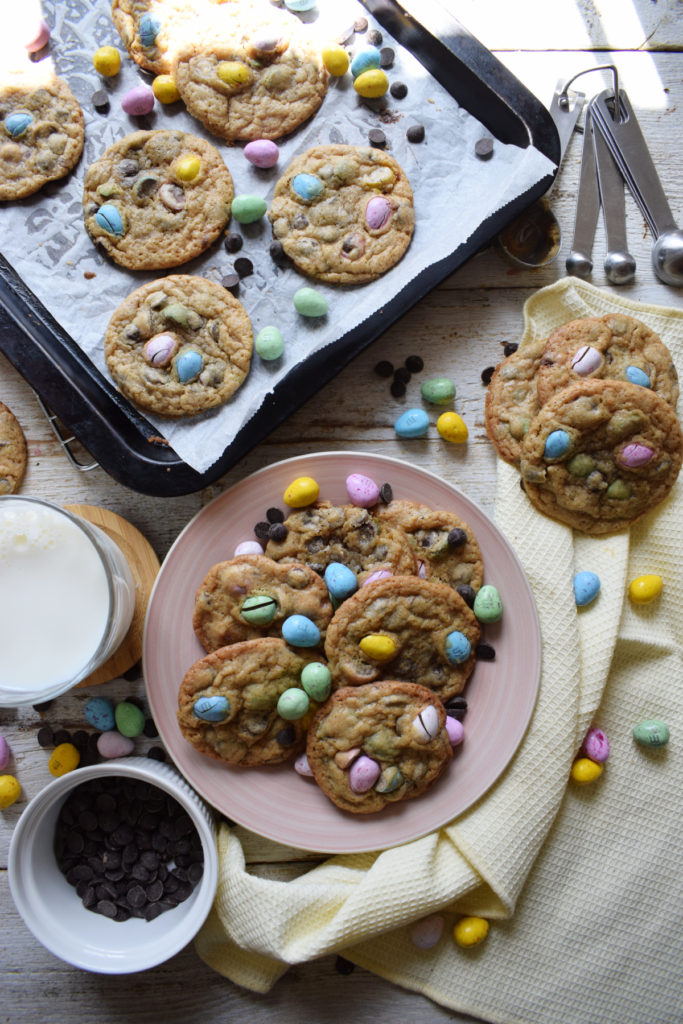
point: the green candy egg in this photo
(130, 720)
(246, 209)
(310, 302)
(651, 733)
(293, 703)
(268, 343)
(316, 680)
(258, 609)
(438, 391)
(488, 606)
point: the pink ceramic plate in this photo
(276, 802)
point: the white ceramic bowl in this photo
(52, 910)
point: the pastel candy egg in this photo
(233, 73)
(107, 61)
(426, 725)
(293, 704)
(651, 733)
(300, 631)
(9, 791)
(188, 365)
(129, 718)
(556, 444)
(336, 60)
(378, 647)
(581, 464)
(301, 492)
(148, 29)
(412, 423)
(258, 609)
(344, 758)
(212, 709)
(316, 680)
(248, 208)
(586, 587)
(341, 581)
(187, 167)
(64, 759)
(110, 220)
(586, 360)
(637, 376)
(371, 84)
(389, 780)
(438, 390)
(99, 713)
(302, 767)
(300, 5)
(380, 574)
(469, 931)
(16, 124)
(310, 302)
(585, 771)
(362, 491)
(595, 745)
(645, 588)
(138, 100)
(249, 547)
(262, 153)
(366, 59)
(165, 89)
(307, 186)
(160, 349)
(112, 744)
(5, 753)
(488, 606)
(458, 648)
(378, 211)
(634, 455)
(452, 427)
(363, 774)
(618, 489)
(39, 39)
(455, 730)
(426, 933)
(269, 343)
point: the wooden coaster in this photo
(144, 566)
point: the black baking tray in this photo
(118, 437)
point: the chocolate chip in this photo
(386, 57)
(456, 538)
(402, 373)
(483, 148)
(375, 37)
(43, 705)
(157, 753)
(277, 532)
(100, 100)
(285, 737)
(384, 368)
(467, 593)
(486, 374)
(399, 90)
(485, 652)
(62, 736)
(275, 515)
(456, 707)
(511, 347)
(233, 242)
(278, 254)
(414, 363)
(397, 389)
(244, 266)
(376, 137)
(149, 729)
(416, 133)
(45, 736)
(262, 530)
(231, 281)
(386, 493)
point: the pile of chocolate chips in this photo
(128, 848)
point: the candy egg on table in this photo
(371, 84)
(301, 492)
(246, 209)
(488, 606)
(5, 753)
(138, 101)
(586, 587)
(65, 758)
(426, 932)
(112, 744)
(129, 718)
(336, 59)
(99, 712)
(470, 931)
(595, 745)
(262, 152)
(646, 588)
(269, 343)
(107, 61)
(412, 423)
(165, 89)
(452, 427)
(310, 302)
(438, 391)
(651, 733)
(10, 791)
(585, 771)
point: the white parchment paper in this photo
(43, 237)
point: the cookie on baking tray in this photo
(612, 347)
(13, 452)
(323, 533)
(445, 546)
(252, 73)
(343, 214)
(179, 345)
(249, 596)
(227, 703)
(152, 30)
(600, 454)
(404, 628)
(41, 132)
(157, 199)
(377, 744)
(512, 399)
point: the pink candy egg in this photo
(377, 212)
(426, 933)
(138, 100)
(302, 767)
(262, 153)
(362, 491)
(363, 774)
(5, 753)
(249, 547)
(634, 455)
(595, 745)
(114, 744)
(586, 361)
(455, 730)
(39, 40)
(381, 574)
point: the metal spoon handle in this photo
(579, 261)
(611, 185)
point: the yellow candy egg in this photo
(165, 89)
(452, 427)
(187, 167)
(378, 647)
(9, 791)
(584, 770)
(371, 84)
(470, 930)
(301, 492)
(645, 588)
(335, 59)
(232, 73)
(107, 61)
(64, 759)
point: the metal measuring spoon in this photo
(620, 266)
(579, 262)
(622, 133)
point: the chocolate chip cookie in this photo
(157, 199)
(600, 454)
(512, 399)
(343, 214)
(404, 628)
(13, 453)
(250, 596)
(179, 345)
(378, 744)
(41, 133)
(153, 30)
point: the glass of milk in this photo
(67, 599)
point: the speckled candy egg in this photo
(586, 587)
(262, 153)
(362, 490)
(138, 101)
(300, 631)
(160, 349)
(99, 712)
(341, 581)
(212, 709)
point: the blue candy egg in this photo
(109, 219)
(458, 647)
(99, 713)
(412, 423)
(638, 376)
(586, 587)
(300, 631)
(212, 709)
(557, 444)
(148, 29)
(307, 186)
(366, 59)
(16, 124)
(188, 365)
(341, 581)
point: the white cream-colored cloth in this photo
(582, 885)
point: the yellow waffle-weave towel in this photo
(599, 864)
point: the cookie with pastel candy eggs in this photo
(512, 399)
(153, 30)
(13, 452)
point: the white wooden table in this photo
(459, 329)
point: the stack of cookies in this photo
(343, 646)
(588, 416)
